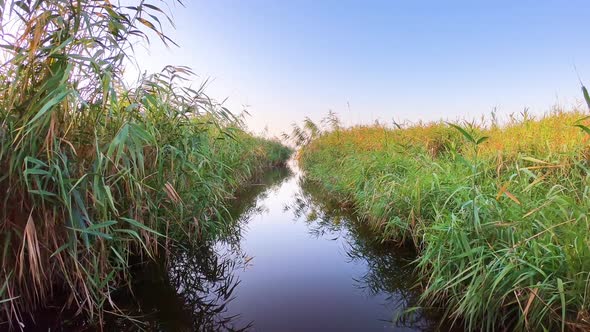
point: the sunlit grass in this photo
(499, 212)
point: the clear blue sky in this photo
(408, 60)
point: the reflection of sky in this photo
(299, 281)
(406, 59)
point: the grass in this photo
(92, 171)
(498, 212)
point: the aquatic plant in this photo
(92, 171)
(498, 211)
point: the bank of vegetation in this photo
(498, 212)
(94, 171)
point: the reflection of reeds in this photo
(501, 223)
(389, 269)
(206, 282)
(193, 288)
(92, 171)
(189, 293)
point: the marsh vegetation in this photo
(498, 211)
(94, 172)
(106, 183)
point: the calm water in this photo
(292, 261)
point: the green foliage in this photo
(586, 96)
(580, 122)
(93, 172)
(501, 223)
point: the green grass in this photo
(499, 213)
(93, 171)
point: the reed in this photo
(92, 171)
(498, 211)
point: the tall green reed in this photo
(501, 226)
(93, 171)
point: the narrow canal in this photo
(293, 260)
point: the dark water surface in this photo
(293, 261)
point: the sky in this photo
(380, 60)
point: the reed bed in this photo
(498, 212)
(93, 171)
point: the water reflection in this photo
(292, 259)
(191, 294)
(191, 291)
(389, 271)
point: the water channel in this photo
(293, 260)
